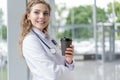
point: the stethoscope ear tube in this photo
(41, 39)
(51, 49)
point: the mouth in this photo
(41, 22)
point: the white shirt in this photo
(43, 64)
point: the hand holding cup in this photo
(67, 49)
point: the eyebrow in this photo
(40, 10)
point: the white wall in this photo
(17, 69)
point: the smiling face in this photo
(39, 16)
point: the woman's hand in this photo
(69, 53)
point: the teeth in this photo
(40, 22)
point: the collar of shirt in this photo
(41, 34)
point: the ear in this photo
(28, 16)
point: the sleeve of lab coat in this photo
(37, 61)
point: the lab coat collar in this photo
(41, 34)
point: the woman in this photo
(42, 54)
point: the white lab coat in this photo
(43, 64)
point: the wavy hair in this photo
(26, 25)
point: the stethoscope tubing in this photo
(41, 39)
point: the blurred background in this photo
(93, 25)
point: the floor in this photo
(94, 70)
(97, 70)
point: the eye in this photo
(36, 12)
(46, 14)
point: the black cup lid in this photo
(66, 39)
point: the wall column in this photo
(17, 69)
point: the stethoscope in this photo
(53, 50)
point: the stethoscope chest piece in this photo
(53, 51)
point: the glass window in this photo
(95, 36)
(3, 40)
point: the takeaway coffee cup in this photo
(65, 43)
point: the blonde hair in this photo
(26, 25)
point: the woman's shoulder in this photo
(29, 37)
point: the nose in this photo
(41, 15)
